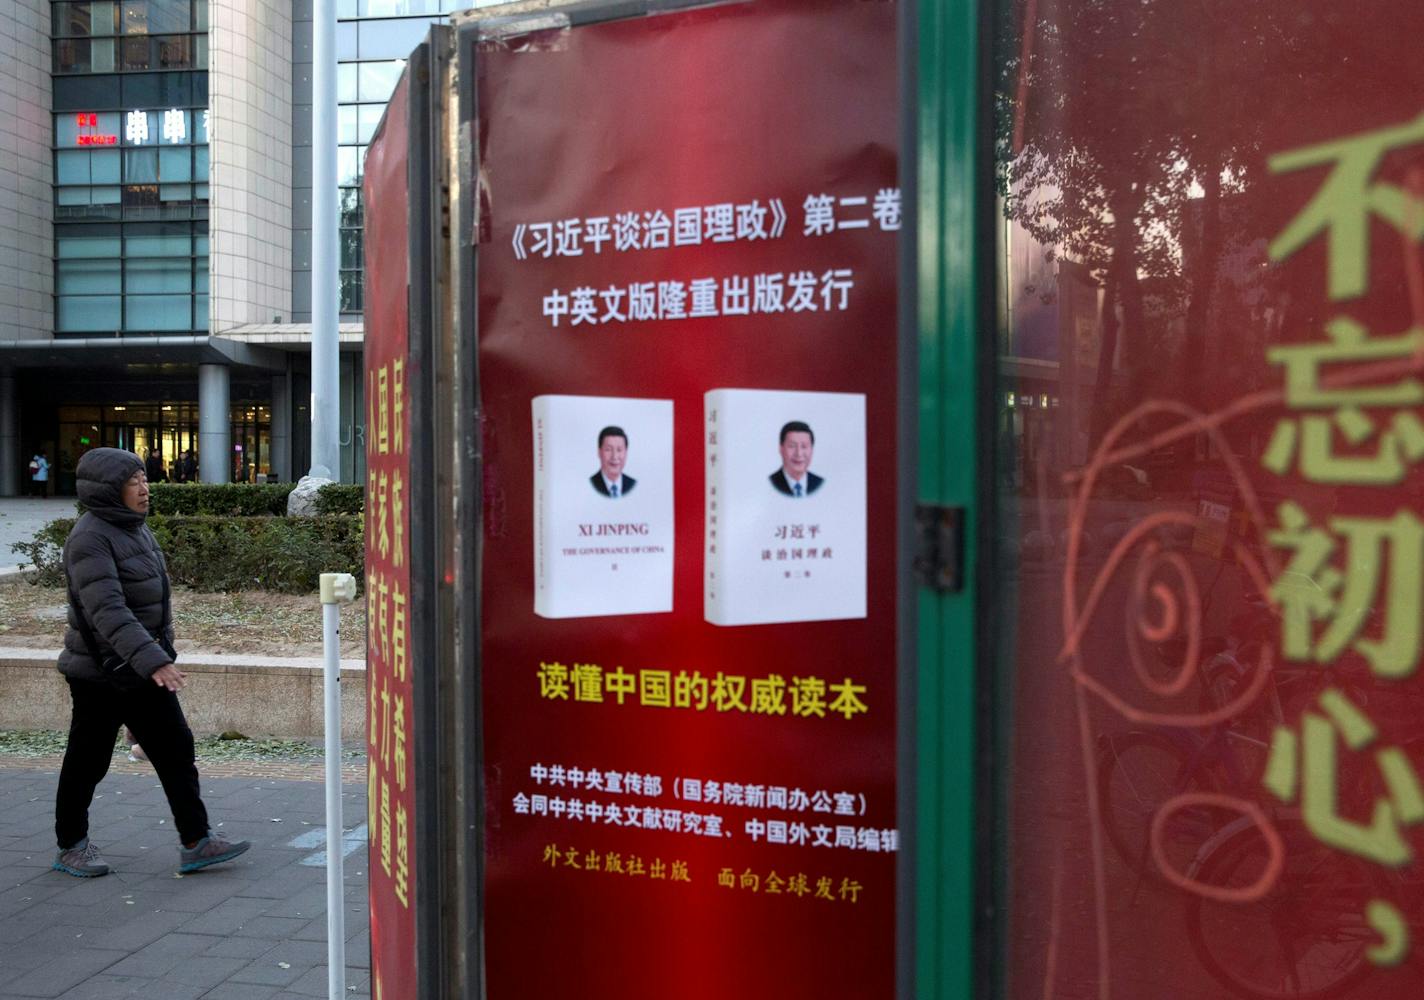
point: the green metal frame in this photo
(951, 468)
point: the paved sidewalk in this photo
(21, 517)
(253, 929)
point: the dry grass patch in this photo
(257, 622)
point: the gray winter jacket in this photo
(117, 577)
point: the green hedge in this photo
(282, 554)
(341, 498)
(219, 499)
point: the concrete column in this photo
(214, 425)
(282, 427)
(10, 456)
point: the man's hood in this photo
(101, 475)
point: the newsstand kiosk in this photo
(655, 546)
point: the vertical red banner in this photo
(390, 719)
(687, 372)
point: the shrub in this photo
(283, 554)
(260, 553)
(341, 498)
(46, 552)
(219, 499)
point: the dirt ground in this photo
(245, 622)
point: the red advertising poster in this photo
(687, 372)
(390, 720)
(1211, 494)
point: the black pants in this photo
(156, 718)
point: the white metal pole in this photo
(325, 347)
(336, 589)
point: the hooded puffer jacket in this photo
(117, 577)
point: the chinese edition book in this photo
(786, 506)
(603, 506)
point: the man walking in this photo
(118, 660)
(39, 473)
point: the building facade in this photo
(155, 228)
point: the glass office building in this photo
(155, 277)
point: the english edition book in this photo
(603, 514)
(786, 491)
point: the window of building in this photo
(130, 167)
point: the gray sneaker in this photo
(213, 849)
(83, 860)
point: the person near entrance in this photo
(118, 661)
(189, 467)
(153, 468)
(39, 474)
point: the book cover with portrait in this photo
(786, 501)
(603, 510)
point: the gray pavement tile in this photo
(135, 931)
(241, 991)
(310, 902)
(270, 928)
(239, 947)
(227, 916)
(142, 932)
(206, 971)
(109, 987)
(63, 973)
(314, 984)
(268, 971)
(163, 955)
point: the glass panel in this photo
(351, 207)
(170, 16)
(75, 277)
(200, 274)
(133, 16)
(86, 128)
(103, 55)
(370, 117)
(350, 291)
(346, 8)
(346, 130)
(378, 79)
(104, 195)
(1209, 522)
(158, 312)
(133, 52)
(176, 195)
(71, 55)
(175, 163)
(75, 314)
(158, 246)
(397, 8)
(200, 16)
(172, 275)
(393, 39)
(85, 93)
(200, 162)
(140, 166)
(71, 196)
(351, 248)
(200, 244)
(348, 165)
(174, 52)
(200, 86)
(200, 312)
(346, 47)
(71, 167)
(346, 83)
(200, 52)
(85, 245)
(104, 166)
(143, 90)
